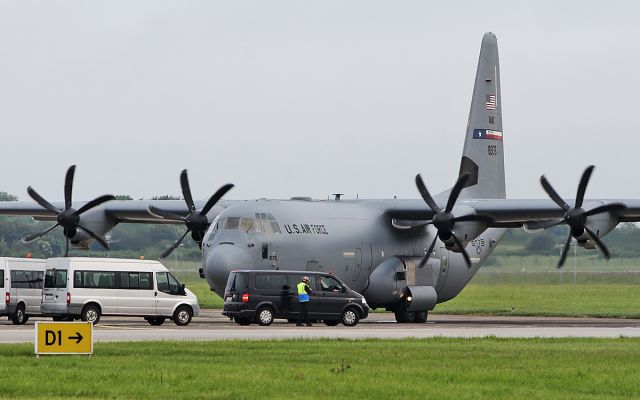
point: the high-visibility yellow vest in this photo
(303, 296)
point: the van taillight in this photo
(245, 297)
(68, 298)
(7, 297)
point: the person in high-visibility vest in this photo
(303, 298)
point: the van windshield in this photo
(55, 279)
(237, 281)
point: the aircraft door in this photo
(357, 260)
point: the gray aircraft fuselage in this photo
(349, 238)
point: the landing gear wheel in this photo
(350, 317)
(90, 313)
(331, 322)
(182, 316)
(242, 321)
(420, 317)
(264, 316)
(19, 317)
(404, 316)
(155, 321)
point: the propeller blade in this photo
(168, 251)
(215, 198)
(553, 194)
(96, 237)
(455, 192)
(614, 208)
(425, 195)
(467, 259)
(94, 203)
(565, 251)
(68, 186)
(599, 242)
(34, 236)
(157, 212)
(186, 190)
(40, 200)
(475, 217)
(582, 187)
(428, 253)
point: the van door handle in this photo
(155, 294)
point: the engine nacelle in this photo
(397, 277)
(600, 224)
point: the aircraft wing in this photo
(508, 212)
(132, 211)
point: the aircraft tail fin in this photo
(483, 155)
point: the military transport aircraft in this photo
(403, 255)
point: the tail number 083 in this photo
(492, 150)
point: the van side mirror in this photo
(182, 291)
(344, 289)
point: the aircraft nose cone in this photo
(223, 259)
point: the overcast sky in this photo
(288, 98)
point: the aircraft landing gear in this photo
(407, 317)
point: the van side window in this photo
(95, 279)
(26, 279)
(329, 284)
(271, 281)
(294, 279)
(145, 280)
(2, 277)
(167, 283)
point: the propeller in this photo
(68, 218)
(444, 220)
(576, 216)
(196, 221)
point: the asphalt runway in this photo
(211, 325)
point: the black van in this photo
(262, 296)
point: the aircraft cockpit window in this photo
(247, 224)
(263, 223)
(232, 223)
(267, 222)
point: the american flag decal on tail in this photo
(491, 102)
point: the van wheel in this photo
(420, 317)
(155, 321)
(331, 322)
(242, 321)
(182, 316)
(90, 313)
(350, 317)
(265, 316)
(19, 317)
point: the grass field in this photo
(327, 369)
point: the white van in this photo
(87, 288)
(22, 282)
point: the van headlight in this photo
(364, 301)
